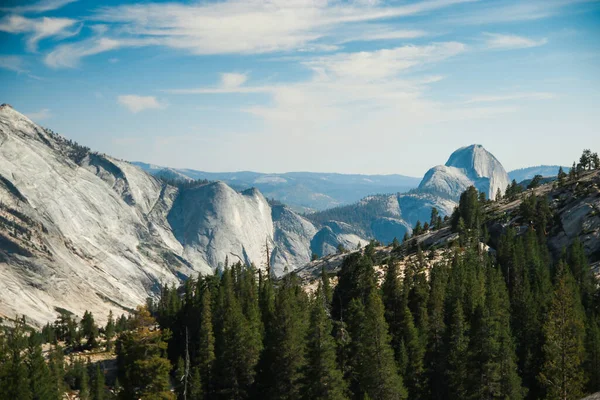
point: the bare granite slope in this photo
(84, 231)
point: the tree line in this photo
(519, 325)
(516, 324)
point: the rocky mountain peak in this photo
(475, 160)
(470, 165)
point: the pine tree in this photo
(373, 357)
(418, 229)
(562, 176)
(327, 290)
(56, 364)
(180, 378)
(435, 357)
(492, 347)
(109, 331)
(434, 218)
(98, 385)
(84, 385)
(585, 278)
(286, 341)
(356, 281)
(235, 360)
(592, 361)
(562, 374)
(595, 161)
(89, 329)
(391, 290)
(195, 390)
(458, 347)
(206, 351)
(248, 295)
(39, 374)
(14, 374)
(323, 380)
(141, 358)
(414, 373)
(469, 209)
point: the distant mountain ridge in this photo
(302, 191)
(522, 174)
(82, 231)
(389, 216)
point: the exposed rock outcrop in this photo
(468, 166)
(84, 231)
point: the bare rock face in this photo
(84, 231)
(578, 207)
(292, 235)
(75, 236)
(333, 234)
(467, 166)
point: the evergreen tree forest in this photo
(516, 323)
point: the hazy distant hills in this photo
(82, 230)
(528, 173)
(302, 191)
(313, 191)
(388, 216)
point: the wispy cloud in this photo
(69, 55)
(243, 27)
(135, 103)
(37, 7)
(385, 63)
(508, 42)
(12, 63)
(42, 114)
(232, 80)
(367, 88)
(510, 97)
(342, 68)
(37, 29)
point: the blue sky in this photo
(364, 86)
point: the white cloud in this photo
(37, 29)
(243, 26)
(343, 68)
(12, 63)
(511, 97)
(69, 55)
(385, 63)
(42, 114)
(135, 103)
(361, 86)
(38, 7)
(354, 99)
(506, 42)
(232, 80)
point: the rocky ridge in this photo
(81, 230)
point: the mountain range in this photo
(307, 192)
(82, 231)
(523, 174)
(301, 191)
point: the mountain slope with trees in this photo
(479, 306)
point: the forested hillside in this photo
(501, 314)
